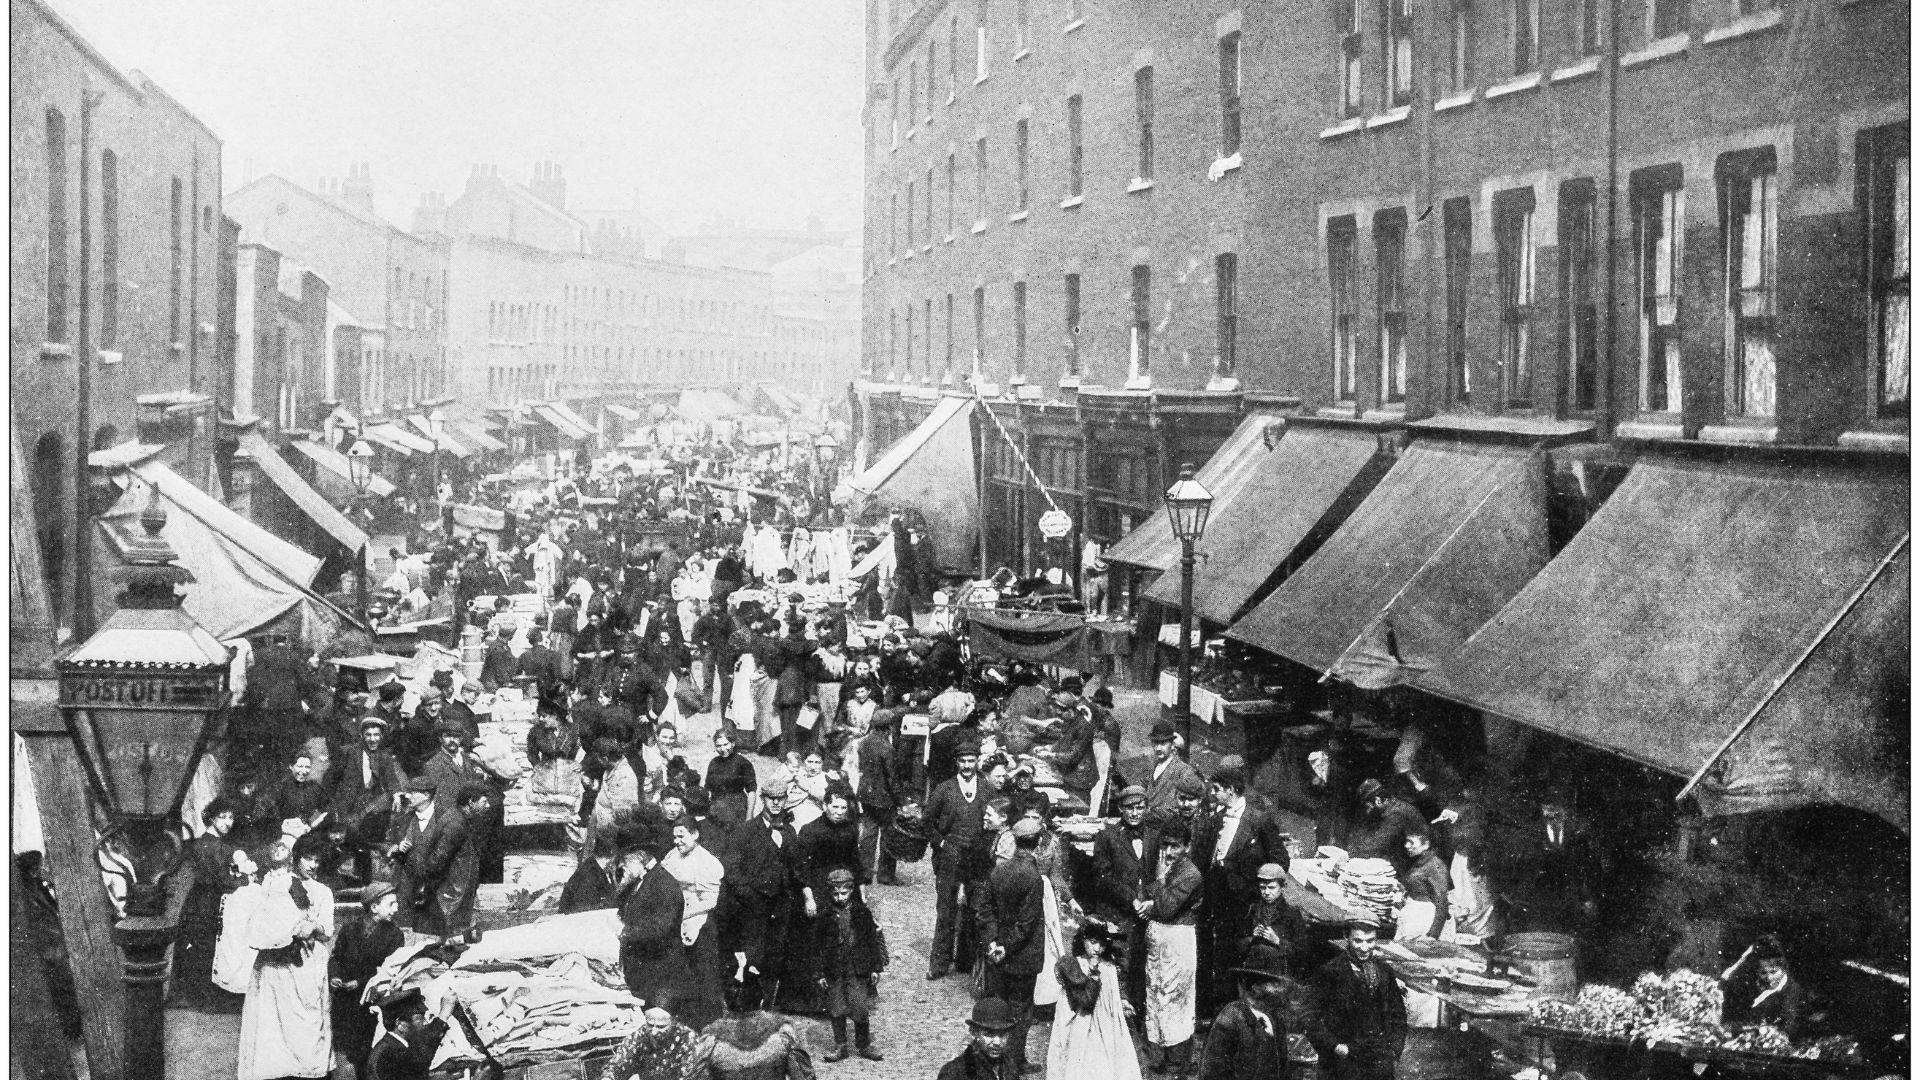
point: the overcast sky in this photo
(748, 108)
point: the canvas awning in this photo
(575, 418)
(334, 477)
(474, 434)
(561, 423)
(1726, 614)
(447, 441)
(1312, 474)
(630, 415)
(1151, 544)
(1448, 536)
(707, 406)
(299, 492)
(397, 439)
(245, 578)
(932, 471)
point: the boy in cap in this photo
(1230, 847)
(850, 952)
(363, 945)
(1274, 928)
(986, 1057)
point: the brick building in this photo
(115, 219)
(391, 281)
(282, 369)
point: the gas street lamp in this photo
(436, 426)
(1188, 504)
(360, 471)
(139, 699)
(826, 455)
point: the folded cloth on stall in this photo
(594, 935)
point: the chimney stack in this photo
(357, 190)
(430, 217)
(549, 184)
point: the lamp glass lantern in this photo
(140, 696)
(360, 464)
(436, 426)
(1188, 504)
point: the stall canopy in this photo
(448, 442)
(624, 412)
(1038, 637)
(1742, 618)
(245, 579)
(1451, 533)
(299, 492)
(1151, 545)
(1312, 475)
(575, 418)
(932, 471)
(562, 423)
(334, 477)
(397, 439)
(706, 406)
(474, 433)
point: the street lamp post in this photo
(826, 455)
(360, 471)
(1188, 503)
(436, 424)
(139, 700)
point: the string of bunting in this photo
(1039, 484)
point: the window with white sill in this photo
(1524, 34)
(1883, 187)
(1226, 292)
(980, 180)
(1390, 267)
(1347, 39)
(1019, 331)
(946, 363)
(1665, 18)
(953, 184)
(932, 52)
(1579, 307)
(1020, 166)
(1071, 306)
(1076, 154)
(926, 235)
(1230, 94)
(980, 44)
(1460, 46)
(1341, 243)
(1659, 224)
(1749, 222)
(1514, 253)
(1457, 265)
(1140, 324)
(1586, 28)
(1396, 61)
(1143, 121)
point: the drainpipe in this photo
(83, 371)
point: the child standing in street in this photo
(852, 952)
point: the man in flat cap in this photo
(1170, 771)
(1126, 856)
(1011, 913)
(409, 836)
(363, 945)
(363, 789)
(989, 1030)
(954, 815)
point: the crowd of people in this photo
(744, 892)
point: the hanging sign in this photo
(1055, 524)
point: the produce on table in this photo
(1684, 1009)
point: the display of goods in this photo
(1759, 1039)
(1831, 1048)
(1679, 1032)
(1371, 885)
(1685, 996)
(1597, 1010)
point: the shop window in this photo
(1659, 223)
(1390, 263)
(1749, 224)
(1457, 256)
(1341, 241)
(1579, 306)
(1514, 249)
(1882, 194)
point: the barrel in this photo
(1547, 959)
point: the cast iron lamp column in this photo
(1188, 503)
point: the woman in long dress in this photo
(286, 1025)
(1090, 1037)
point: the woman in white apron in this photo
(1090, 1038)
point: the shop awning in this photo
(574, 418)
(317, 509)
(560, 423)
(474, 434)
(1313, 474)
(1707, 594)
(1151, 545)
(630, 415)
(245, 578)
(335, 475)
(707, 406)
(448, 442)
(1448, 536)
(397, 439)
(932, 471)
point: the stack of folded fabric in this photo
(550, 1012)
(1371, 885)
